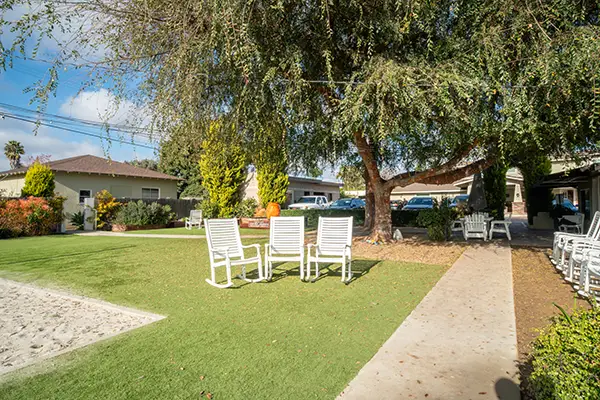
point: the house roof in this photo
(313, 180)
(88, 164)
(424, 188)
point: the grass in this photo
(196, 231)
(279, 340)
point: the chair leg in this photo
(213, 280)
(344, 269)
(302, 267)
(349, 271)
(316, 269)
(507, 226)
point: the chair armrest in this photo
(256, 246)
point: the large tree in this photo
(423, 91)
(13, 150)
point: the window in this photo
(330, 196)
(307, 193)
(84, 194)
(150, 193)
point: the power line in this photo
(24, 119)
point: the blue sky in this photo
(90, 104)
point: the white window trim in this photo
(79, 195)
(142, 193)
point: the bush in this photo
(141, 214)
(438, 220)
(33, 216)
(311, 217)
(404, 218)
(209, 209)
(77, 219)
(566, 358)
(246, 208)
(107, 208)
(39, 181)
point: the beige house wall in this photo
(11, 185)
(69, 185)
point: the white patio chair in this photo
(589, 278)
(458, 226)
(578, 222)
(334, 245)
(225, 249)
(286, 243)
(563, 242)
(501, 226)
(475, 227)
(195, 219)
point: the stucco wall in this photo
(68, 185)
(11, 185)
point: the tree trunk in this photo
(370, 203)
(382, 226)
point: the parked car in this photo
(347, 204)
(567, 207)
(460, 200)
(396, 204)
(306, 202)
(419, 203)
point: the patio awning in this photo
(573, 177)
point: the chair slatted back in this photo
(286, 235)
(222, 234)
(195, 216)
(475, 223)
(334, 234)
(594, 230)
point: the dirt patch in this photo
(537, 285)
(410, 250)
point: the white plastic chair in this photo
(578, 221)
(475, 227)
(563, 242)
(334, 245)
(501, 226)
(589, 278)
(286, 243)
(458, 226)
(195, 219)
(225, 249)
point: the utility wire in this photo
(24, 119)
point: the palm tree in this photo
(13, 150)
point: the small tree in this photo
(223, 168)
(494, 183)
(39, 181)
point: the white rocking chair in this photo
(475, 227)
(334, 245)
(577, 224)
(589, 277)
(563, 242)
(225, 249)
(195, 219)
(286, 243)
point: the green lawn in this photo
(280, 340)
(196, 231)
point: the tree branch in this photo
(453, 176)
(366, 153)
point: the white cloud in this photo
(43, 143)
(103, 106)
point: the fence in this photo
(181, 207)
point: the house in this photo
(297, 188)
(81, 177)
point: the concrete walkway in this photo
(459, 342)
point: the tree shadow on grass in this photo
(359, 269)
(21, 260)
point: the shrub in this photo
(246, 208)
(223, 168)
(39, 181)
(138, 213)
(438, 220)
(566, 358)
(33, 216)
(77, 219)
(107, 208)
(494, 183)
(209, 209)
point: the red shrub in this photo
(32, 216)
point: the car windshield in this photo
(460, 199)
(342, 202)
(307, 200)
(420, 200)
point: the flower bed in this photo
(32, 216)
(123, 228)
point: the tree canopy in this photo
(423, 91)
(13, 150)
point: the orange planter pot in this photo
(273, 210)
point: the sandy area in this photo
(37, 323)
(412, 249)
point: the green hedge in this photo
(399, 217)
(566, 358)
